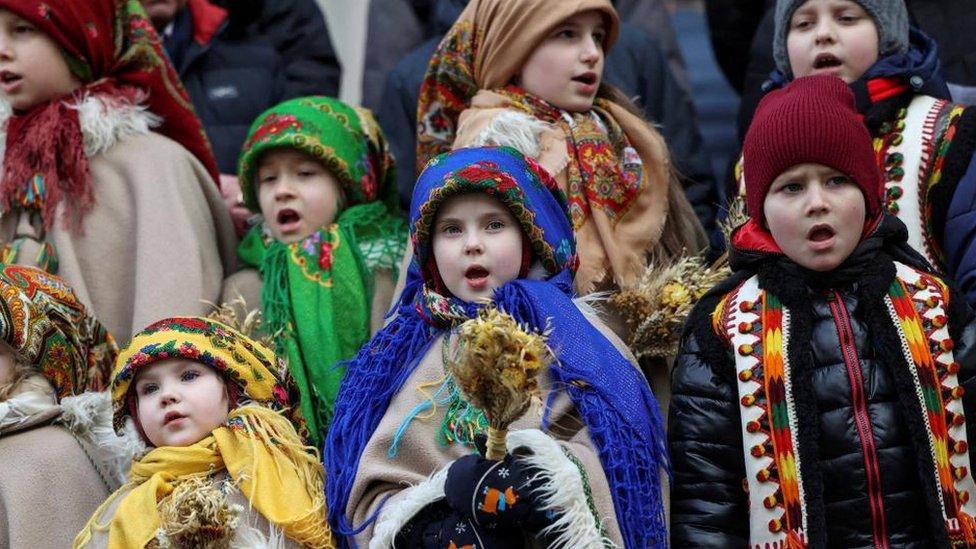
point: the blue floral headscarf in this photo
(612, 397)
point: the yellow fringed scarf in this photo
(261, 452)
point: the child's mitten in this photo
(502, 492)
(439, 526)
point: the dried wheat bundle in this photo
(197, 515)
(235, 314)
(656, 309)
(497, 367)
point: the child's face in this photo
(816, 215)
(566, 68)
(477, 245)
(297, 195)
(180, 402)
(832, 37)
(32, 69)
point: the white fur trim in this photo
(513, 129)
(563, 491)
(247, 536)
(104, 121)
(411, 501)
(589, 305)
(89, 417)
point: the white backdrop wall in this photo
(347, 27)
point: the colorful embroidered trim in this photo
(757, 326)
(917, 304)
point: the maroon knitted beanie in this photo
(812, 120)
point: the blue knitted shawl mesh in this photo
(610, 394)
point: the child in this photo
(924, 144)
(823, 391)
(226, 467)
(486, 225)
(527, 74)
(55, 421)
(320, 173)
(129, 217)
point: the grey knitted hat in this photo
(890, 17)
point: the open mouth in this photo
(826, 61)
(820, 233)
(588, 78)
(476, 273)
(171, 417)
(287, 216)
(7, 77)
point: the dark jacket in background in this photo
(635, 65)
(298, 32)
(238, 62)
(231, 74)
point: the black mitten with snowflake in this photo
(438, 526)
(505, 492)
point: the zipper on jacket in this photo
(861, 418)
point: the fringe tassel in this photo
(275, 292)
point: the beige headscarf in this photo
(617, 226)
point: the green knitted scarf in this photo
(317, 298)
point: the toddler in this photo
(225, 465)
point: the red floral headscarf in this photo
(112, 47)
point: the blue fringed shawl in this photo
(611, 395)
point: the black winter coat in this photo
(231, 75)
(833, 316)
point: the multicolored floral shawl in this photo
(309, 286)
(48, 328)
(614, 400)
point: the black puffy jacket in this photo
(833, 315)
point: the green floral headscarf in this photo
(307, 285)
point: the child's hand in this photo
(497, 492)
(234, 199)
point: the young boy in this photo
(324, 258)
(487, 226)
(822, 394)
(924, 144)
(226, 466)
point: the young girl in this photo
(528, 74)
(226, 467)
(55, 421)
(107, 177)
(486, 225)
(320, 173)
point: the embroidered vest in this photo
(757, 326)
(910, 152)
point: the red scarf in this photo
(113, 48)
